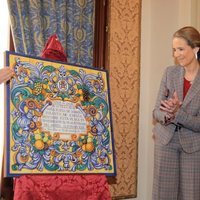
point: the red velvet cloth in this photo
(60, 187)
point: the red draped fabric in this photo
(54, 50)
(61, 187)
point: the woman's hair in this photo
(191, 35)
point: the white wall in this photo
(4, 45)
(160, 19)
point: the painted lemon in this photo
(39, 144)
(89, 147)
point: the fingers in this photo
(171, 105)
(176, 99)
(6, 73)
(167, 105)
(175, 96)
(170, 115)
(168, 110)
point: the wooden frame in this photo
(100, 34)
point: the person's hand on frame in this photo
(6, 74)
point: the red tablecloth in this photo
(61, 187)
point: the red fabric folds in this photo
(61, 187)
(54, 50)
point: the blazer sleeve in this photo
(187, 120)
(163, 93)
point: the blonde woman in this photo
(177, 131)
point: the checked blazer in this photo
(188, 115)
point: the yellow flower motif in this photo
(81, 98)
(38, 136)
(49, 142)
(80, 91)
(44, 86)
(20, 131)
(90, 139)
(70, 149)
(55, 79)
(26, 109)
(80, 143)
(55, 90)
(37, 131)
(45, 139)
(70, 81)
(26, 79)
(75, 87)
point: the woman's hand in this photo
(171, 105)
(6, 74)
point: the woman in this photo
(5, 74)
(177, 127)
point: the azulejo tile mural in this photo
(58, 118)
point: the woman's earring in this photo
(196, 56)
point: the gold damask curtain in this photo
(124, 68)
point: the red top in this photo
(186, 87)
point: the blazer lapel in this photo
(178, 83)
(194, 89)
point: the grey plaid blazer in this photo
(188, 116)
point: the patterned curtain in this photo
(34, 21)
